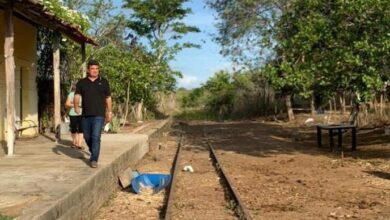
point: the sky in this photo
(197, 65)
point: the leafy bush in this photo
(70, 16)
(5, 217)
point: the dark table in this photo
(339, 129)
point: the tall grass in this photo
(5, 217)
(196, 114)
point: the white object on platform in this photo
(188, 168)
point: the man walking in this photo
(96, 104)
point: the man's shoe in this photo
(94, 164)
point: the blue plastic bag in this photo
(155, 181)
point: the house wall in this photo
(25, 76)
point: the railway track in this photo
(210, 167)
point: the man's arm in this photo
(108, 103)
(76, 103)
(109, 109)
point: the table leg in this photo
(319, 136)
(331, 142)
(353, 139)
(340, 137)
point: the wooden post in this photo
(57, 86)
(353, 138)
(331, 141)
(319, 136)
(83, 59)
(340, 137)
(9, 76)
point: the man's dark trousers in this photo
(92, 127)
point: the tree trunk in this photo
(172, 102)
(133, 114)
(351, 101)
(138, 111)
(334, 104)
(330, 106)
(290, 112)
(312, 106)
(381, 105)
(120, 111)
(144, 112)
(161, 47)
(375, 104)
(276, 109)
(365, 114)
(162, 102)
(265, 101)
(271, 99)
(258, 104)
(371, 104)
(127, 104)
(342, 103)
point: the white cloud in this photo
(227, 66)
(188, 82)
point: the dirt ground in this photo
(277, 169)
(281, 178)
(125, 204)
(199, 194)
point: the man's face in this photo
(93, 70)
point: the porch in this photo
(47, 180)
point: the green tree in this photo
(247, 33)
(309, 47)
(131, 70)
(221, 93)
(161, 22)
(193, 98)
(247, 28)
(338, 45)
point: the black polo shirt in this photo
(94, 94)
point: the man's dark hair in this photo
(92, 63)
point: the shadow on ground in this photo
(380, 174)
(264, 140)
(70, 152)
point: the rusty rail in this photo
(238, 205)
(239, 208)
(172, 185)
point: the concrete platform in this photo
(46, 180)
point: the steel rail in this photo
(240, 208)
(172, 185)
